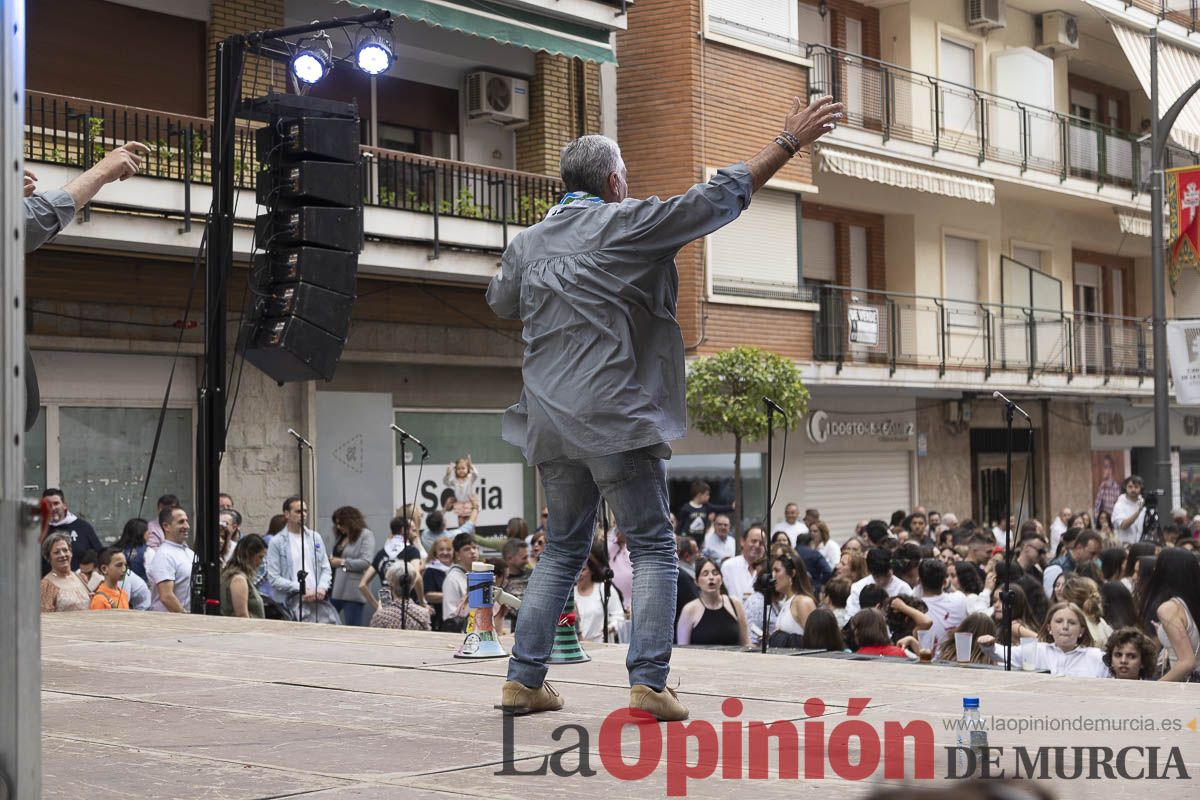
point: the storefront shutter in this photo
(848, 487)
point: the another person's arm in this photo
(1172, 619)
(683, 629)
(743, 625)
(49, 595)
(364, 587)
(166, 593)
(366, 544)
(282, 585)
(239, 596)
(921, 621)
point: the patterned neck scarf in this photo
(574, 199)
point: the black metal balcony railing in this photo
(77, 132)
(899, 103)
(1173, 10)
(897, 329)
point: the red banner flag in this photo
(1183, 198)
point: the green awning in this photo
(506, 25)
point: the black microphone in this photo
(1000, 396)
(406, 435)
(301, 439)
(773, 405)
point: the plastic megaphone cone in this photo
(481, 640)
(567, 649)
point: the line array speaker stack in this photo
(303, 282)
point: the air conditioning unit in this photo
(501, 99)
(1060, 32)
(985, 15)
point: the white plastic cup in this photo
(925, 639)
(962, 646)
(1028, 653)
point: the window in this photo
(958, 103)
(771, 24)
(961, 280)
(858, 257)
(755, 256)
(813, 28)
(819, 252)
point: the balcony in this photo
(900, 104)
(74, 132)
(895, 329)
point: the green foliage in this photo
(387, 196)
(530, 210)
(95, 132)
(725, 392)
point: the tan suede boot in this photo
(516, 699)
(664, 705)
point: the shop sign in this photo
(499, 492)
(864, 325)
(1117, 427)
(825, 428)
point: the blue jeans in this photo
(352, 611)
(634, 484)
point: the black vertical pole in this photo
(210, 436)
(767, 595)
(302, 574)
(1006, 594)
(403, 545)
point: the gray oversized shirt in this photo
(595, 287)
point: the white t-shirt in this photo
(1057, 529)
(589, 610)
(719, 550)
(739, 580)
(832, 551)
(947, 610)
(1122, 510)
(795, 529)
(893, 587)
(1082, 662)
(454, 589)
(172, 563)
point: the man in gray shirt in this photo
(595, 287)
(47, 213)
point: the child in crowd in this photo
(694, 515)
(834, 595)
(461, 476)
(1065, 647)
(1131, 655)
(87, 570)
(109, 594)
(871, 635)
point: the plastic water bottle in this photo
(971, 735)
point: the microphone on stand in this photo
(406, 435)
(1000, 396)
(771, 404)
(300, 439)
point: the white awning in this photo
(1133, 223)
(1178, 69)
(906, 176)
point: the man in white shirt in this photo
(1129, 512)
(791, 523)
(739, 572)
(946, 609)
(1057, 527)
(170, 572)
(298, 548)
(879, 567)
(718, 544)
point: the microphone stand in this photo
(1006, 594)
(606, 573)
(302, 575)
(771, 407)
(404, 437)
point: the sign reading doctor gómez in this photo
(826, 428)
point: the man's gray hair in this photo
(586, 163)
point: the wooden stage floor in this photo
(142, 705)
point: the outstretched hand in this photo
(813, 121)
(123, 162)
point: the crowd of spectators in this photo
(1088, 598)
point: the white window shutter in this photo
(756, 253)
(819, 246)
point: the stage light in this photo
(310, 65)
(373, 54)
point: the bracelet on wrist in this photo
(791, 139)
(787, 147)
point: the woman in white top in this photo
(794, 599)
(1065, 647)
(1171, 605)
(824, 545)
(589, 604)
